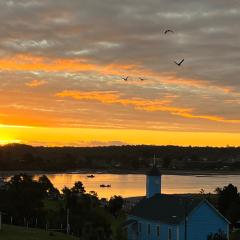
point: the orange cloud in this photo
(208, 117)
(30, 62)
(36, 63)
(35, 83)
(113, 97)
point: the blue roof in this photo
(166, 208)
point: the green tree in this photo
(229, 202)
(115, 204)
(48, 187)
(78, 188)
(24, 197)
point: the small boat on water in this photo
(90, 176)
(105, 186)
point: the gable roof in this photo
(211, 206)
(165, 208)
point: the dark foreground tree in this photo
(115, 204)
(88, 219)
(23, 197)
(48, 187)
(229, 202)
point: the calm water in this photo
(129, 185)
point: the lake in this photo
(129, 185)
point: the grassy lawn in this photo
(20, 233)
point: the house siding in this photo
(203, 221)
(134, 234)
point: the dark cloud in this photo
(206, 32)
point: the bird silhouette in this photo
(179, 63)
(125, 78)
(168, 31)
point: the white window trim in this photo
(177, 232)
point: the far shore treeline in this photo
(129, 157)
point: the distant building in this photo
(171, 217)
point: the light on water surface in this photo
(129, 185)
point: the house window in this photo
(158, 231)
(149, 229)
(139, 227)
(169, 233)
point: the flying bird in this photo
(168, 31)
(179, 63)
(125, 78)
(142, 79)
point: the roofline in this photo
(217, 211)
(181, 220)
(211, 206)
(192, 210)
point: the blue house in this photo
(172, 217)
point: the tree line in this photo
(26, 157)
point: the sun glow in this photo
(6, 137)
(5, 142)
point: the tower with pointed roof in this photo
(153, 183)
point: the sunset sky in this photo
(62, 63)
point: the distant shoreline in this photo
(123, 172)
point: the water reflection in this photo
(128, 185)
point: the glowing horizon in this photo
(46, 136)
